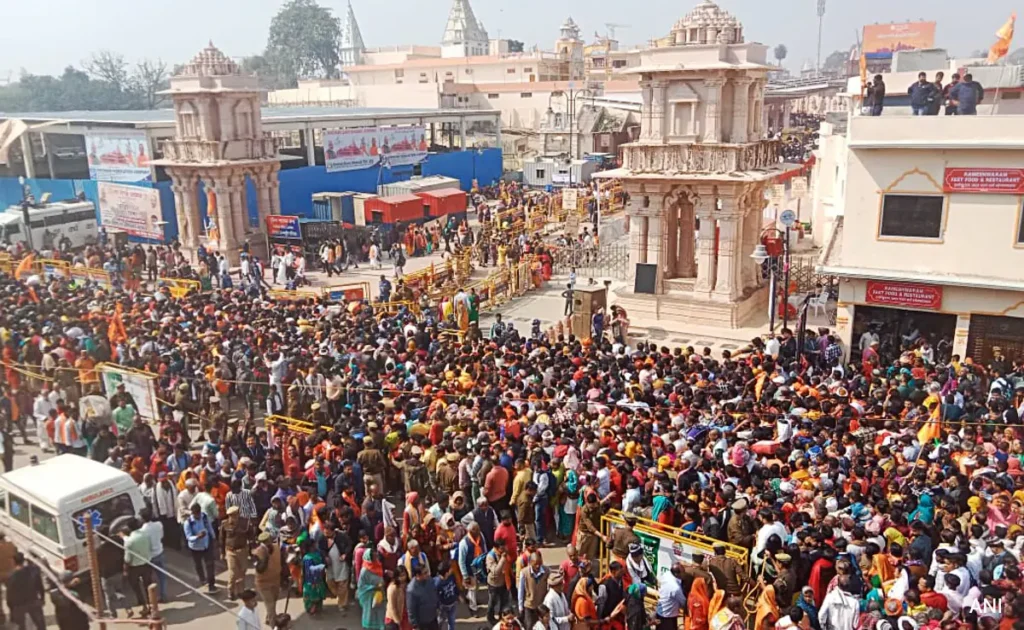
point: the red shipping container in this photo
(404, 208)
(444, 201)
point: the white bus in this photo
(49, 223)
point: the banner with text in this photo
(121, 156)
(283, 226)
(401, 146)
(882, 40)
(134, 209)
(355, 149)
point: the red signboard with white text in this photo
(905, 294)
(1003, 181)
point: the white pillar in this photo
(658, 111)
(26, 153)
(727, 282)
(48, 150)
(740, 105)
(462, 133)
(307, 135)
(844, 325)
(656, 249)
(751, 233)
(705, 244)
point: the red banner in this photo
(1005, 181)
(916, 296)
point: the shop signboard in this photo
(1003, 181)
(283, 226)
(778, 195)
(799, 187)
(904, 294)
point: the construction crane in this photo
(611, 26)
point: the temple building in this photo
(219, 142)
(464, 35)
(698, 174)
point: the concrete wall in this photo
(828, 183)
(416, 95)
(979, 232)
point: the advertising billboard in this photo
(134, 209)
(355, 149)
(1003, 181)
(403, 145)
(121, 156)
(882, 40)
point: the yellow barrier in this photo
(350, 292)
(179, 287)
(53, 267)
(90, 274)
(298, 295)
(704, 544)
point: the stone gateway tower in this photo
(219, 141)
(697, 176)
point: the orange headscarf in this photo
(582, 603)
(767, 608)
(697, 606)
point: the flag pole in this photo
(999, 85)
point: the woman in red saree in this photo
(697, 606)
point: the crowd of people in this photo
(350, 454)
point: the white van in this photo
(49, 224)
(43, 508)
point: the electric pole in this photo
(821, 21)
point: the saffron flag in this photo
(1004, 37)
(863, 69)
(25, 266)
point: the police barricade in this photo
(285, 432)
(7, 263)
(351, 292)
(665, 546)
(298, 295)
(86, 275)
(179, 287)
(49, 268)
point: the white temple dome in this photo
(210, 62)
(707, 23)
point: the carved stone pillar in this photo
(727, 283)
(753, 114)
(670, 211)
(706, 263)
(740, 107)
(751, 231)
(712, 109)
(656, 249)
(658, 109)
(645, 238)
(686, 266)
(263, 198)
(645, 110)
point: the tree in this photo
(260, 67)
(836, 62)
(148, 78)
(515, 46)
(780, 53)
(304, 41)
(110, 67)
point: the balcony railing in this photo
(204, 151)
(699, 158)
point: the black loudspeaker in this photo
(646, 278)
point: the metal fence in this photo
(609, 260)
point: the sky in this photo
(48, 35)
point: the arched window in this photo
(188, 120)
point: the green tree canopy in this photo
(304, 41)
